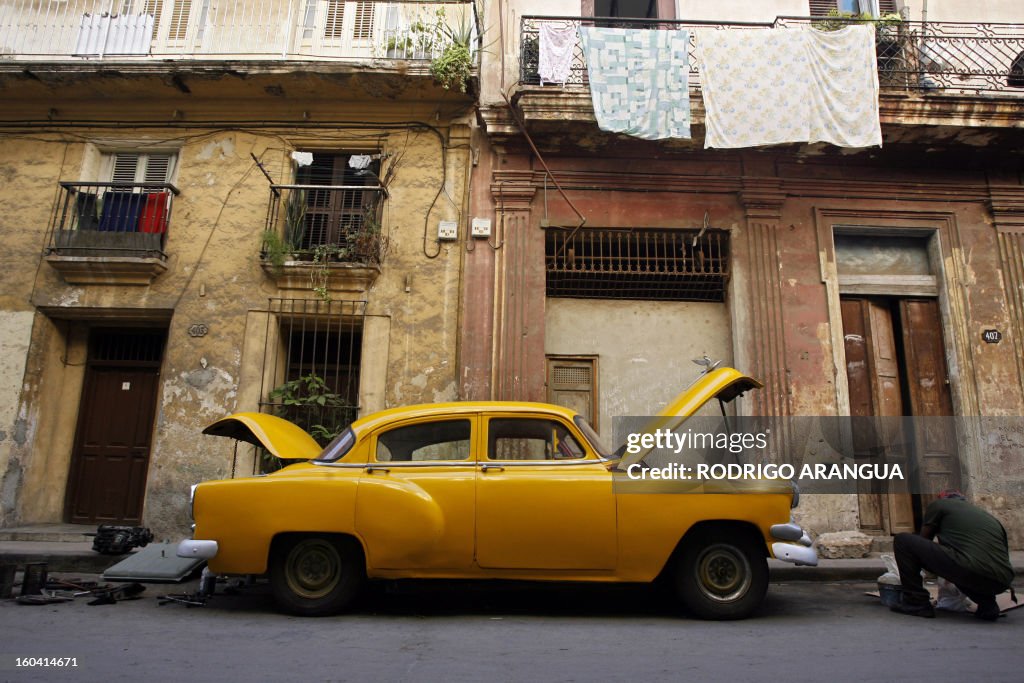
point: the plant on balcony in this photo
(427, 35)
(398, 47)
(836, 20)
(453, 67)
(308, 402)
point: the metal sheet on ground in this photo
(156, 563)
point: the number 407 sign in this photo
(991, 336)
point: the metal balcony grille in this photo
(111, 219)
(912, 56)
(316, 345)
(660, 265)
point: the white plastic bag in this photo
(892, 574)
(951, 599)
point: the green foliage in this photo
(310, 403)
(275, 251)
(837, 20)
(452, 68)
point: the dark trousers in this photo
(914, 553)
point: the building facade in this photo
(216, 208)
(618, 260)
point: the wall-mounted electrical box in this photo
(448, 230)
(481, 227)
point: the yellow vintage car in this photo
(486, 490)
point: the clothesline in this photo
(759, 87)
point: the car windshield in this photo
(593, 437)
(338, 448)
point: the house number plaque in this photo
(198, 330)
(992, 336)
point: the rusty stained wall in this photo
(984, 376)
(214, 278)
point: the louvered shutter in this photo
(142, 168)
(571, 383)
(179, 20)
(153, 8)
(364, 20)
(821, 8)
(158, 168)
(125, 168)
(334, 26)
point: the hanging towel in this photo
(556, 47)
(765, 87)
(639, 80)
(844, 92)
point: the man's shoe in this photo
(925, 610)
(915, 603)
(987, 610)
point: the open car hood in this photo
(724, 383)
(282, 438)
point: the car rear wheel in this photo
(316, 575)
(721, 579)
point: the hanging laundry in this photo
(639, 80)
(556, 46)
(765, 87)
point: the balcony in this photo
(932, 57)
(285, 30)
(324, 237)
(110, 233)
(936, 79)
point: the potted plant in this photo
(399, 47)
(453, 67)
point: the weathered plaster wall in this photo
(214, 278)
(644, 348)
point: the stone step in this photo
(881, 544)
(49, 533)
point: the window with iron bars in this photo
(637, 263)
(311, 364)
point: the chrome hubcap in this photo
(313, 568)
(723, 573)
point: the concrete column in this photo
(518, 349)
(1006, 201)
(760, 333)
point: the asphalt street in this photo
(805, 631)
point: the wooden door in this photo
(873, 372)
(111, 454)
(929, 395)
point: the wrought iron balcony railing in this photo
(231, 29)
(339, 223)
(111, 219)
(922, 56)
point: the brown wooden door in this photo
(873, 372)
(112, 443)
(929, 395)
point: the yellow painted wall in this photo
(214, 278)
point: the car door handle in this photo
(371, 469)
(485, 468)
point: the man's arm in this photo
(928, 531)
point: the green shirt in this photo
(973, 537)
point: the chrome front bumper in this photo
(800, 553)
(192, 548)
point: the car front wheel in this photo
(316, 575)
(721, 579)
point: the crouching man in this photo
(972, 553)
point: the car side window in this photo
(531, 439)
(425, 441)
